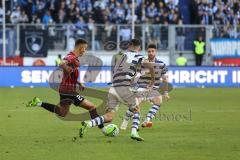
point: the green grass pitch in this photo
(196, 124)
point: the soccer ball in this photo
(111, 130)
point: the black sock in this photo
(50, 107)
(94, 114)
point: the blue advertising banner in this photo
(204, 76)
(225, 48)
(178, 76)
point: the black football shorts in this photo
(68, 99)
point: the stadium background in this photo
(199, 122)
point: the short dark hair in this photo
(135, 42)
(180, 54)
(152, 46)
(80, 41)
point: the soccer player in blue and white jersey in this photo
(153, 95)
(124, 74)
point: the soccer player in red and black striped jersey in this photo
(69, 85)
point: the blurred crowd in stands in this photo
(80, 12)
(83, 14)
(218, 12)
(222, 13)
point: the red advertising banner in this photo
(226, 62)
(13, 61)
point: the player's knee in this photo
(157, 100)
(135, 109)
(63, 112)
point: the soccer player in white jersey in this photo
(124, 74)
(153, 96)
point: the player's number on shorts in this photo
(80, 98)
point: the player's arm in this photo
(118, 63)
(150, 66)
(66, 68)
(165, 86)
(81, 86)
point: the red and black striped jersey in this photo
(69, 80)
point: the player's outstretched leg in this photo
(89, 124)
(135, 124)
(127, 117)
(106, 118)
(157, 101)
(151, 114)
(92, 110)
(36, 102)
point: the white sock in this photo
(39, 104)
(103, 129)
(147, 119)
(135, 122)
(134, 130)
(96, 121)
(152, 112)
